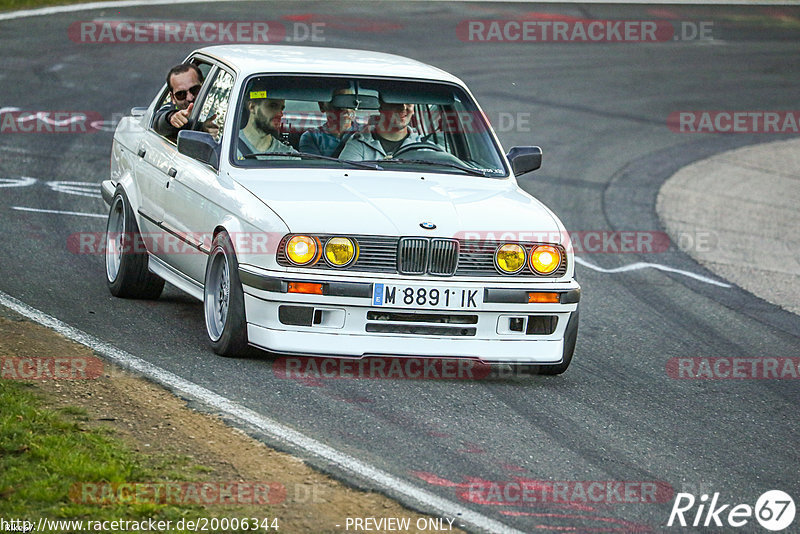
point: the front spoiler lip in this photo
(364, 356)
(491, 295)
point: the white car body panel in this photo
(394, 203)
(199, 200)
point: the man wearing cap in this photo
(339, 125)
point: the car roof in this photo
(250, 59)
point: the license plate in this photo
(427, 297)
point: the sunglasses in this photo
(181, 95)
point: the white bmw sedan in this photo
(343, 203)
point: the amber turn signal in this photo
(543, 298)
(305, 287)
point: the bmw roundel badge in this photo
(427, 225)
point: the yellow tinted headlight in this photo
(302, 250)
(545, 259)
(341, 251)
(510, 258)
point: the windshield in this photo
(347, 122)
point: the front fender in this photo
(252, 245)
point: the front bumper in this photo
(343, 322)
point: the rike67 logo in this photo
(774, 510)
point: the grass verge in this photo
(46, 455)
(13, 5)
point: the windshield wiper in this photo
(468, 170)
(306, 155)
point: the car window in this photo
(215, 104)
(449, 131)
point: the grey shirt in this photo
(363, 146)
(275, 146)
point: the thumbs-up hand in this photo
(181, 117)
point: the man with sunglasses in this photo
(184, 82)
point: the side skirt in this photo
(176, 278)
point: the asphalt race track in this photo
(599, 111)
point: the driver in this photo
(390, 133)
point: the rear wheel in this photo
(127, 275)
(223, 301)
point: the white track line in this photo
(643, 265)
(38, 210)
(420, 498)
(84, 189)
(17, 182)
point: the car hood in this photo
(397, 203)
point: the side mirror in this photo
(200, 146)
(524, 159)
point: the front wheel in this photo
(223, 300)
(127, 275)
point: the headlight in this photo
(302, 250)
(509, 258)
(545, 259)
(341, 251)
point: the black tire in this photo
(127, 273)
(223, 300)
(570, 340)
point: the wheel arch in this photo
(128, 186)
(251, 245)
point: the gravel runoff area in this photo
(744, 203)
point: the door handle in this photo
(142, 152)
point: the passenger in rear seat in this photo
(340, 123)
